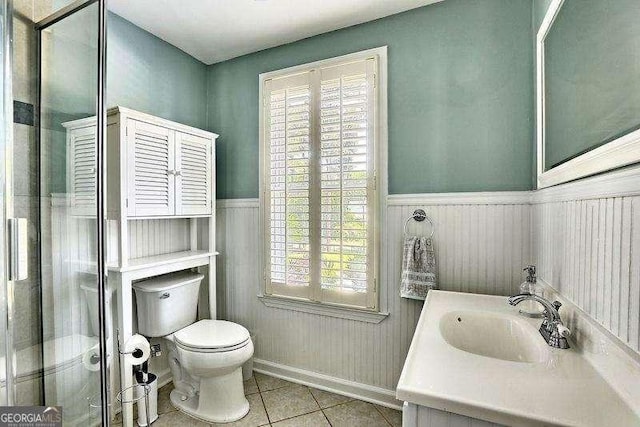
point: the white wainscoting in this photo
(588, 249)
(482, 244)
(151, 237)
(481, 247)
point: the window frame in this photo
(379, 301)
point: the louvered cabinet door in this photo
(193, 174)
(81, 178)
(151, 169)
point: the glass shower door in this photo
(7, 363)
(71, 59)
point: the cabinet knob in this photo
(178, 173)
(171, 172)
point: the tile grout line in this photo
(308, 388)
(321, 408)
(295, 416)
(262, 400)
(326, 418)
(383, 417)
(300, 415)
(263, 404)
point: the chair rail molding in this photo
(238, 203)
(620, 183)
(467, 198)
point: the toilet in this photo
(205, 356)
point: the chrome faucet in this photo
(552, 329)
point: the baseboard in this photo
(368, 393)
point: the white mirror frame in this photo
(620, 152)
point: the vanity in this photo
(475, 360)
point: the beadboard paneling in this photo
(589, 250)
(151, 237)
(480, 248)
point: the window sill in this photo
(323, 309)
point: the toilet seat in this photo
(212, 336)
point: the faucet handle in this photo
(563, 331)
(557, 305)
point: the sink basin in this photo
(494, 335)
(474, 355)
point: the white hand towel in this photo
(418, 268)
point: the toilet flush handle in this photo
(165, 295)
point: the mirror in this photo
(588, 78)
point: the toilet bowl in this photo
(213, 351)
(205, 356)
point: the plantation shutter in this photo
(288, 134)
(319, 184)
(347, 183)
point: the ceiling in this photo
(217, 30)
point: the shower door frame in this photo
(7, 181)
(101, 113)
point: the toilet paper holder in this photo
(146, 389)
(136, 349)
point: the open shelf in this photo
(174, 259)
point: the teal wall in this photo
(147, 74)
(143, 72)
(460, 97)
(69, 85)
(539, 10)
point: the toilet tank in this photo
(167, 303)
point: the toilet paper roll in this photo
(136, 342)
(91, 358)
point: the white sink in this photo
(493, 335)
(474, 355)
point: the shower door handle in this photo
(18, 249)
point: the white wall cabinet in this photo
(167, 167)
(193, 165)
(151, 169)
(156, 170)
(81, 164)
(169, 171)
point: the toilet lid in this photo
(211, 334)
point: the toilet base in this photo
(221, 399)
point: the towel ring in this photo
(419, 215)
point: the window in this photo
(319, 157)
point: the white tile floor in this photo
(278, 403)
